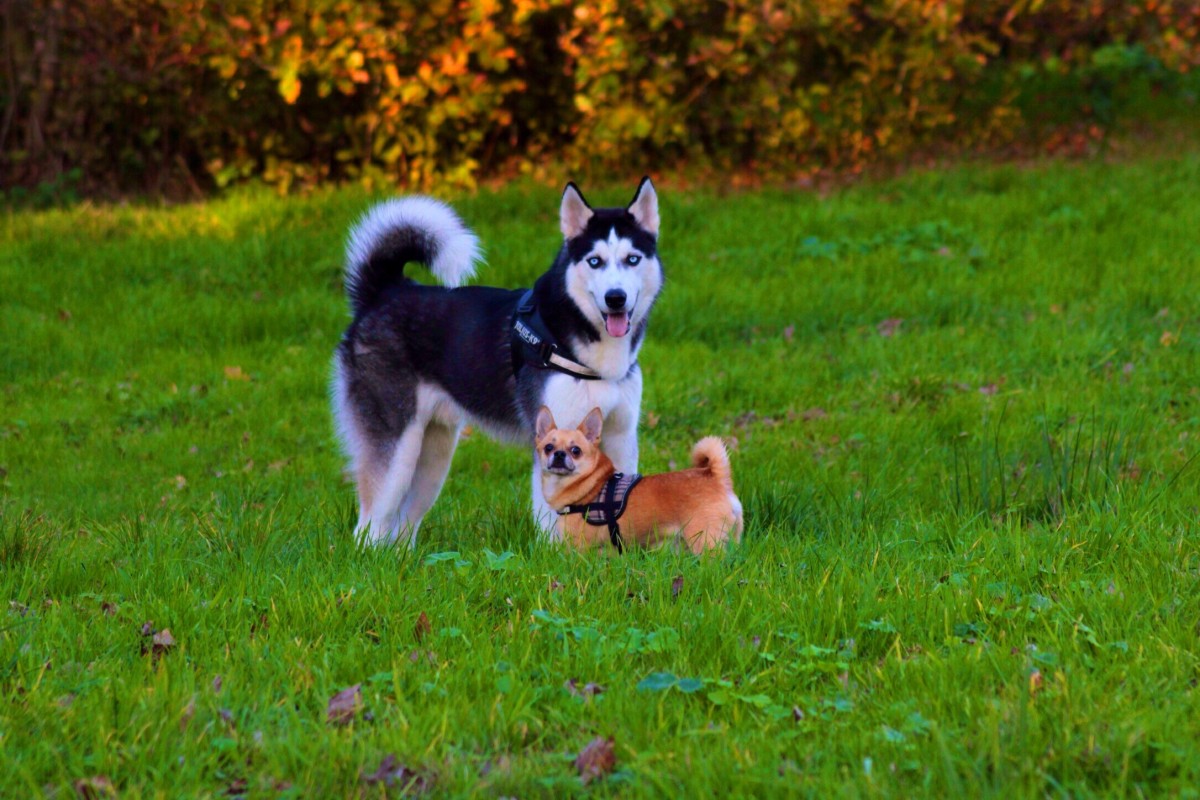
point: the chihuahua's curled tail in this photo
(709, 454)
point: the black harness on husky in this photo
(532, 344)
(608, 506)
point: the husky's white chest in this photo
(570, 399)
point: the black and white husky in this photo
(419, 362)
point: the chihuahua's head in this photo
(573, 451)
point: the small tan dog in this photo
(597, 505)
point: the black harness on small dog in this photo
(608, 506)
(532, 344)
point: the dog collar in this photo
(532, 344)
(608, 506)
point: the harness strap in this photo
(532, 345)
(608, 506)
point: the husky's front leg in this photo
(619, 441)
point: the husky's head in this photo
(612, 270)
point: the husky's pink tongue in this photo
(617, 324)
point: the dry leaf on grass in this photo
(587, 690)
(95, 787)
(596, 760)
(423, 628)
(391, 773)
(889, 327)
(344, 705)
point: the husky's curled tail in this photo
(396, 232)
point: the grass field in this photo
(965, 405)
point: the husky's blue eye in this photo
(594, 262)
(632, 260)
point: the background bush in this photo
(176, 96)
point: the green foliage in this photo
(184, 95)
(889, 626)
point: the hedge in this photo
(188, 95)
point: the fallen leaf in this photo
(237, 788)
(652, 419)
(216, 684)
(596, 760)
(391, 773)
(555, 585)
(95, 787)
(676, 586)
(109, 609)
(344, 705)
(1035, 682)
(988, 389)
(236, 374)
(889, 327)
(587, 690)
(163, 641)
(64, 315)
(816, 412)
(188, 712)
(1168, 339)
(422, 628)
(275, 466)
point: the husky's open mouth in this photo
(616, 323)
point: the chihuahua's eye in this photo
(632, 259)
(595, 261)
(576, 452)
(548, 449)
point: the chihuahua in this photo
(598, 505)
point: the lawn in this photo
(964, 406)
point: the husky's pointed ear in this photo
(574, 213)
(544, 424)
(591, 425)
(644, 206)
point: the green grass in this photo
(971, 566)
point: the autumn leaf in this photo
(889, 327)
(596, 760)
(188, 712)
(423, 628)
(391, 773)
(344, 705)
(95, 787)
(1035, 682)
(236, 374)
(816, 412)
(587, 690)
(163, 641)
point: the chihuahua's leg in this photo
(543, 515)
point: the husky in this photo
(419, 362)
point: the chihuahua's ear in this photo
(644, 207)
(574, 213)
(591, 425)
(544, 424)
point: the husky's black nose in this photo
(615, 298)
